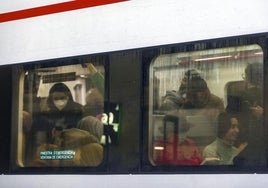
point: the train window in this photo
(58, 118)
(205, 108)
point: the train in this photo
(143, 84)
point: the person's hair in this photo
(59, 87)
(88, 155)
(193, 82)
(74, 138)
(94, 102)
(88, 151)
(224, 123)
(196, 84)
(94, 97)
(92, 125)
(254, 73)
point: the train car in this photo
(134, 93)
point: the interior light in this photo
(83, 76)
(258, 53)
(159, 148)
(213, 58)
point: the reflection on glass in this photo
(197, 87)
(61, 109)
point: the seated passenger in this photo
(178, 149)
(222, 151)
(85, 150)
(88, 151)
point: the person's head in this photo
(228, 127)
(88, 151)
(196, 89)
(254, 74)
(59, 96)
(88, 155)
(94, 102)
(73, 138)
(94, 97)
(91, 124)
(189, 75)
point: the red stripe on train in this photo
(54, 8)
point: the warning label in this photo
(57, 155)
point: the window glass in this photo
(206, 108)
(60, 110)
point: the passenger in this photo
(92, 125)
(61, 113)
(87, 148)
(253, 131)
(96, 78)
(193, 94)
(94, 108)
(222, 151)
(198, 94)
(195, 101)
(94, 103)
(178, 149)
(253, 95)
(174, 100)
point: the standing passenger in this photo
(197, 105)
(193, 94)
(94, 103)
(253, 131)
(61, 113)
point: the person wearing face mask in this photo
(61, 113)
(177, 147)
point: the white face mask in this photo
(60, 104)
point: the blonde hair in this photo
(88, 151)
(89, 155)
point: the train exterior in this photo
(134, 93)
